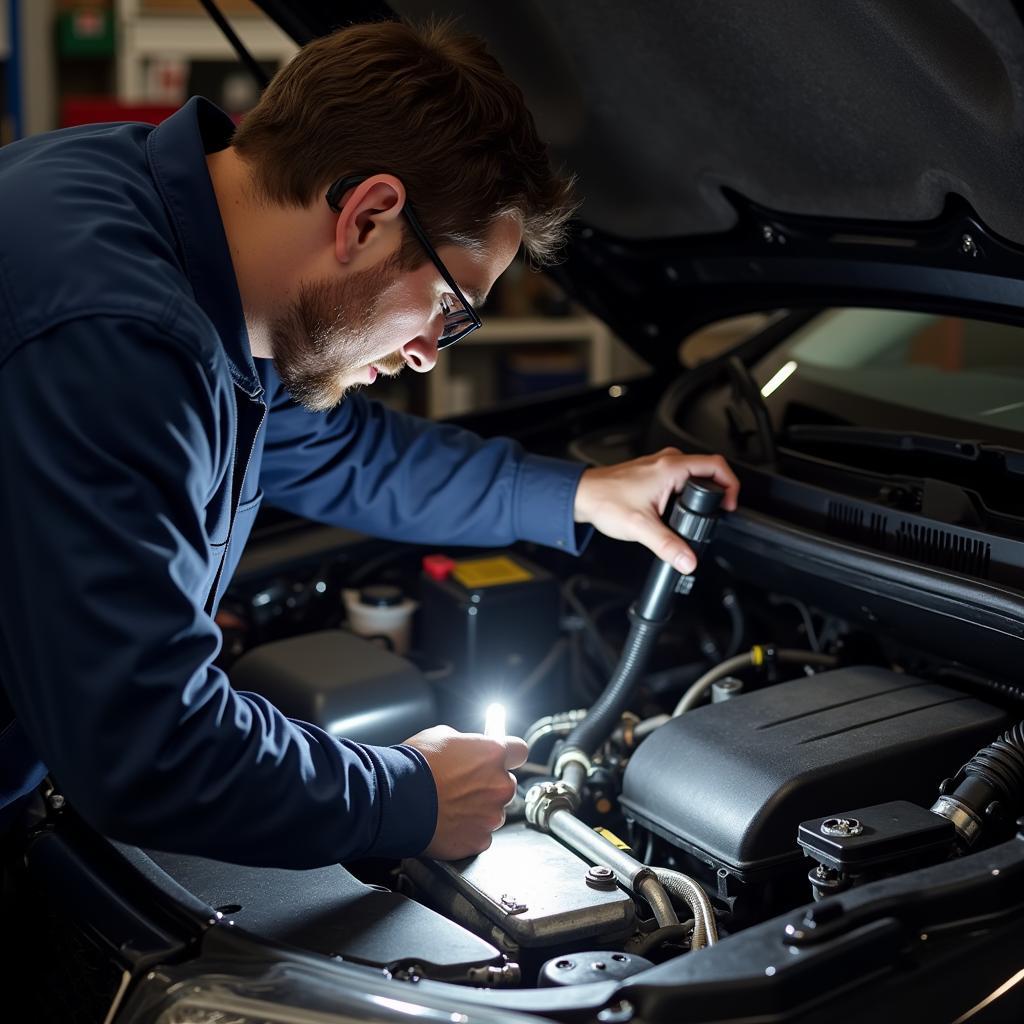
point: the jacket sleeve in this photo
(109, 453)
(369, 468)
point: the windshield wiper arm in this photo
(1008, 461)
(746, 392)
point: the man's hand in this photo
(471, 773)
(627, 501)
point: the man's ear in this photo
(368, 220)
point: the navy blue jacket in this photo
(137, 440)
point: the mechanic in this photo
(184, 312)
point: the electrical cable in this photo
(542, 669)
(589, 625)
(812, 633)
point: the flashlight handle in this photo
(693, 517)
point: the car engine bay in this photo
(706, 752)
(754, 785)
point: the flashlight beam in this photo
(494, 721)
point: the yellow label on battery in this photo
(490, 572)
(612, 838)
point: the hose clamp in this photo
(965, 821)
(544, 799)
(569, 756)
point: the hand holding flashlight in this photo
(473, 781)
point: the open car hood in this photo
(742, 156)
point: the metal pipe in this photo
(628, 870)
(561, 723)
(693, 695)
(643, 729)
(574, 775)
(584, 840)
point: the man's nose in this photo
(420, 354)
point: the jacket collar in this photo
(177, 155)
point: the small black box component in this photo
(494, 618)
(879, 839)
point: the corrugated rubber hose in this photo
(607, 710)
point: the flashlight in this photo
(494, 721)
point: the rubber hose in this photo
(654, 892)
(693, 695)
(651, 941)
(1001, 765)
(607, 710)
(961, 675)
(705, 931)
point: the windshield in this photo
(901, 371)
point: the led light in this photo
(779, 379)
(494, 721)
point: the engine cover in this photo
(731, 782)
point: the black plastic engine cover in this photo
(341, 682)
(731, 782)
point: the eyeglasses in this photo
(460, 318)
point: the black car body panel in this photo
(731, 159)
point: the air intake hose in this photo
(693, 517)
(989, 786)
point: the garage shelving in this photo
(180, 29)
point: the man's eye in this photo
(446, 305)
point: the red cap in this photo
(438, 567)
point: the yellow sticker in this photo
(490, 572)
(612, 838)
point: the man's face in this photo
(346, 330)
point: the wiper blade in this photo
(1005, 461)
(747, 394)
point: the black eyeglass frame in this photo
(334, 194)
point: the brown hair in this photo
(429, 105)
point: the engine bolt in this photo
(601, 877)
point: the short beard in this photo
(327, 333)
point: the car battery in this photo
(495, 619)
